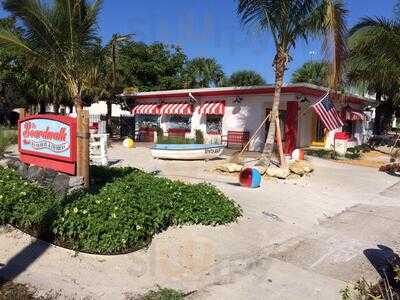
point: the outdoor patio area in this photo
(297, 238)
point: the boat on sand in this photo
(186, 151)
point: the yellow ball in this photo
(128, 143)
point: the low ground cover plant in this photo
(7, 138)
(352, 153)
(128, 207)
(27, 205)
(162, 294)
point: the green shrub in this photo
(354, 152)
(128, 208)
(199, 136)
(26, 205)
(175, 140)
(160, 133)
(321, 153)
(125, 214)
(7, 138)
(163, 294)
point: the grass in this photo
(384, 289)
(16, 291)
(123, 211)
(162, 294)
(352, 153)
(7, 138)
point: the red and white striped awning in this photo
(176, 109)
(350, 114)
(146, 109)
(213, 108)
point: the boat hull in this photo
(185, 152)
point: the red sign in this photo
(48, 141)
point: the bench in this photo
(237, 138)
(146, 135)
(176, 132)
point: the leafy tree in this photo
(314, 72)
(203, 72)
(151, 67)
(245, 78)
(56, 38)
(374, 61)
(111, 79)
(291, 20)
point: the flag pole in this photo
(311, 106)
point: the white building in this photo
(219, 111)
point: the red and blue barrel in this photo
(250, 178)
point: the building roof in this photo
(300, 88)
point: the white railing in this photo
(98, 149)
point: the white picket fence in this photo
(98, 149)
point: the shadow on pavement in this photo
(20, 262)
(384, 260)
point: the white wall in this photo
(251, 112)
(244, 117)
(100, 108)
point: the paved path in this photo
(300, 239)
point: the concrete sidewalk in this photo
(299, 239)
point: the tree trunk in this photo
(83, 159)
(56, 108)
(280, 65)
(109, 114)
(42, 108)
(378, 115)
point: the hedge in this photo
(118, 217)
(27, 205)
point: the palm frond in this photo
(14, 42)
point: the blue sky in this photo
(211, 28)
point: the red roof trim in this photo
(307, 91)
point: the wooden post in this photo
(279, 142)
(83, 146)
(22, 113)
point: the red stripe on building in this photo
(176, 109)
(146, 109)
(213, 108)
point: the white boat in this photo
(186, 151)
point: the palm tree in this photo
(112, 52)
(58, 37)
(246, 78)
(314, 72)
(203, 72)
(374, 62)
(288, 21)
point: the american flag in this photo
(328, 114)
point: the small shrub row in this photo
(27, 205)
(352, 153)
(199, 139)
(125, 214)
(175, 140)
(128, 208)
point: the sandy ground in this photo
(373, 159)
(303, 238)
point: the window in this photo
(349, 127)
(147, 121)
(214, 124)
(180, 122)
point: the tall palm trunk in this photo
(77, 100)
(280, 66)
(114, 80)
